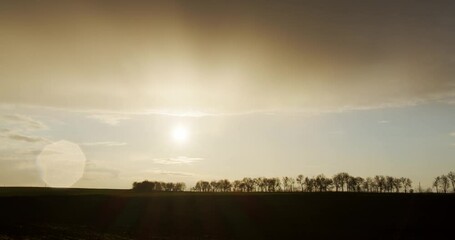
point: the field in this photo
(40, 213)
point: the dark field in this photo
(38, 213)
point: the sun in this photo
(180, 134)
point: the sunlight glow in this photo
(180, 134)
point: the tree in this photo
(285, 184)
(407, 183)
(301, 181)
(436, 183)
(444, 181)
(291, 184)
(380, 183)
(389, 183)
(367, 184)
(154, 186)
(451, 177)
(225, 185)
(180, 187)
(337, 181)
(359, 183)
(322, 183)
(249, 184)
(309, 183)
(397, 184)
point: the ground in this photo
(40, 213)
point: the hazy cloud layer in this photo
(106, 144)
(111, 119)
(176, 160)
(19, 146)
(226, 57)
(20, 128)
(31, 139)
(22, 122)
(171, 173)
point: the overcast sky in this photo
(261, 88)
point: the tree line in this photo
(154, 186)
(442, 183)
(340, 182)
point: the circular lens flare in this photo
(61, 164)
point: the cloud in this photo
(383, 121)
(289, 57)
(171, 173)
(30, 139)
(18, 154)
(106, 144)
(18, 128)
(177, 160)
(110, 119)
(22, 121)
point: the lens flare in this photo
(61, 164)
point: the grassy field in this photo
(39, 213)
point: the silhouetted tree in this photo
(301, 181)
(344, 177)
(451, 177)
(380, 183)
(322, 183)
(407, 183)
(444, 183)
(309, 183)
(154, 186)
(338, 181)
(288, 184)
(367, 184)
(436, 183)
(225, 185)
(359, 183)
(397, 184)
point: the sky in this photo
(190, 90)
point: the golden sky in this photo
(255, 88)
(225, 57)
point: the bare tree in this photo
(309, 183)
(301, 181)
(378, 181)
(397, 184)
(451, 177)
(338, 181)
(389, 183)
(359, 183)
(322, 183)
(353, 183)
(444, 183)
(367, 184)
(155, 186)
(407, 183)
(291, 184)
(344, 180)
(436, 183)
(285, 184)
